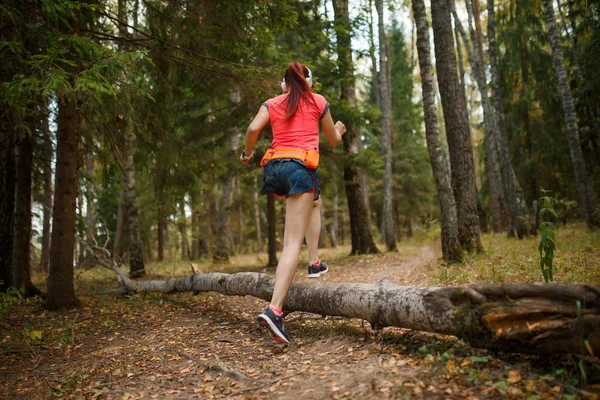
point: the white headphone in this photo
(308, 79)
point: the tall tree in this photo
(271, 232)
(451, 247)
(584, 189)
(195, 225)
(259, 240)
(21, 251)
(457, 128)
(385, 93)
(519, 213)
(362, 241)
(496, 191)
(7, 200)
(136, 254)
(47, 155)
(224, 240)
(90, 197)
(61, 289)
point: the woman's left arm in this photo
(260, 121)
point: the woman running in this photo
(295, 117)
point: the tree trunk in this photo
(223, 248)
(7, 202)
(271, 231)
(457, 128)
(584, 189)
(519, 214)
(240, 216)
(117, 251)
(335, 217)
(362, 241)
(388, 228)
(451, 247)
(182, 225)
(323, 232)
(21, 251)
(195, 226)
(90, 195)
(136, 255)
(496, 191)
(259, 241)
(61, 289)
(374, 72)
(461, 66)
(47, 152)
(162, 226)
(528, 318)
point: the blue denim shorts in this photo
(288, 176)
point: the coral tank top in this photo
(300, 131)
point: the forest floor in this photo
(210, 346)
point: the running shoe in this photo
(317, 269)
(275, 324)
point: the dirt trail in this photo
(210, 346)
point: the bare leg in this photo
(297, 215)
(314, 231)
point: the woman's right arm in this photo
(260, 121)
(333, 132)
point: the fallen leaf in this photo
(514, 376)
(451, 366)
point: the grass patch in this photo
(577, 259)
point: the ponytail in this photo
(299, 89)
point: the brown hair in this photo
(298, 88)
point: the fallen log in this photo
(534, 318)
(537, 318)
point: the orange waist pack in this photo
(310, 158)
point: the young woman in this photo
(295, 117)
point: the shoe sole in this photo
(264, 320)
(318, 274)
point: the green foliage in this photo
(547, 235)
(11, 297)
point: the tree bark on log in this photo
(529, 318)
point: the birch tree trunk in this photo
(182, 225)
(47, 152)
(360, 225)
(528, 318)
(451, 247)
(497, 198)
(584, 189)
(388, 228)
(519, 214)
(374, 72)
(90, 195)
(457, 128)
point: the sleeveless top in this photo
(302, 130)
